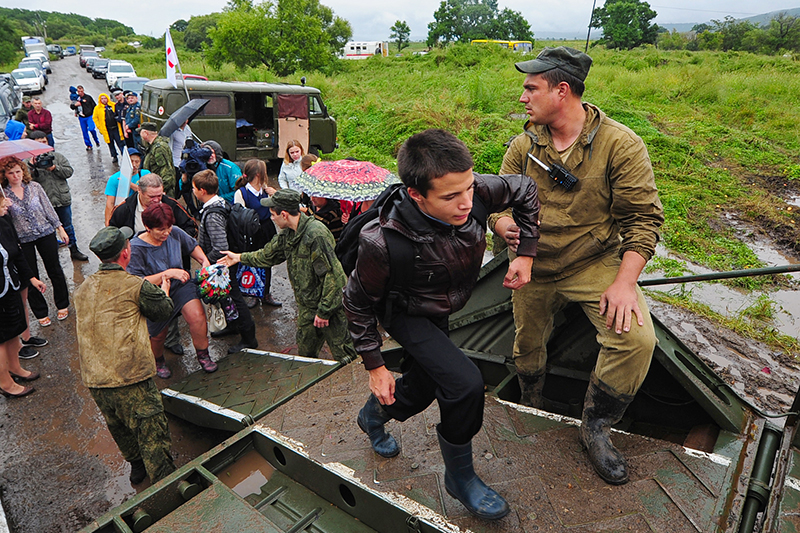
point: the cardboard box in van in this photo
(249, 119)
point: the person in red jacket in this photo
(40, 119)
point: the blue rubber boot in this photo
(371, 419)
(463, 484)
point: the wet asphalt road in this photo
(59, 466)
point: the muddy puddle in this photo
(731, 301)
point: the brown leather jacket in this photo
(446, 263)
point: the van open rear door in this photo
(292, 121)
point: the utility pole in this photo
(594, 3)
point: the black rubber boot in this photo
(531, 387)
(76, 254)
(603, 408)
(248, 341)
(229, 330)
(138, 471)
(463, 484)
(371, 420)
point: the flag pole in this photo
(170, 44)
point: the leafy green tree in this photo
(626, 23)
(400, 33)
(179, 25)
(700, 28)
(9, 41)
(732, 33)
(464, 20)
(285, 36)
(783, 33)
(196, 33)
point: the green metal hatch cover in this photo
(246, 386)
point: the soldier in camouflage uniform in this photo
(116, 359)
(314, 271)
(159, 156)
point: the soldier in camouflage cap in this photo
(158, 158)
(314, 271)
(117, 363)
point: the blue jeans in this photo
(87, 125)
(50, 140)
(65, 216)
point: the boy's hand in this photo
(320, 322)
(381, 383)
(519, 272)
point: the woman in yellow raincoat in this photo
(106, 122)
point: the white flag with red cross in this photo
(172, 60)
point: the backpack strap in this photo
(401, 268)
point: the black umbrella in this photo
(186, 112)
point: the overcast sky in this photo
(372, 20)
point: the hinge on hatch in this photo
(412, 523)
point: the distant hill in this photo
(762, 20)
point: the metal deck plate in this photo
(246, 386)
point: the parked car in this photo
(45, 61)
(34, 62)
(86, 54)
(90, 62)
(119, 69)
(99, 49)
(99, 68)
(69, 51)
(8, 80)
(55, 49)
(130, 84)
(30, 79)
(191, 77)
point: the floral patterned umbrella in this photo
(356, 181)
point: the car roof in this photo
(118, 61)
(24, 69)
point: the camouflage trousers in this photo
(136, 419)
(310, 338)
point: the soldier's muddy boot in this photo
(371, 420)
(531, 387)
(463, 484)
(603, 408)
(138, 472)
(248, 341)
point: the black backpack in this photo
(242, 226)
(399, 247)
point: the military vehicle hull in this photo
(701, 458)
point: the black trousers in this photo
(48, 251)
(436, 370)
(245, 320)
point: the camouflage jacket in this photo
(159, 161)
(314, 271)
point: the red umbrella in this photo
(23, 148)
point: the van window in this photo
(145, 101)
(315, 106)
(217, 105)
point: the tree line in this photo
(780, 36)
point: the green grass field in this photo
(723, 129)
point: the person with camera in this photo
(51, 171)
(227, 172)
(599, 229)
(194, 159)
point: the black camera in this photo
(193, 160)
(45, 160)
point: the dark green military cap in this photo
(284, 199)
(567, 59)
(110, 241)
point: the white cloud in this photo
(151, 17)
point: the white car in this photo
(117, 70)
(45, 60)
(30, 79)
